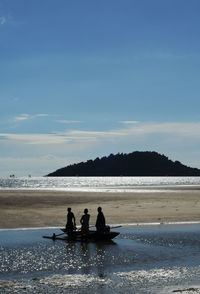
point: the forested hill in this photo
(132, 164)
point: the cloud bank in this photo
(134, 129)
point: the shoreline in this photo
(179, 187)
(28, 209)
(113, 225)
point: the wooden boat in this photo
(91, 236)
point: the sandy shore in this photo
(25, 208)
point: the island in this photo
(138, 163)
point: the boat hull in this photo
(91, 236)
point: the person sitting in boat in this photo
(101, 222)
(85, 221)
(71, 221)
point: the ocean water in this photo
(142, 260)
(100, 184)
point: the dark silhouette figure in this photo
(71, 221)
(100, 222)
(85, 221)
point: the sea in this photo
(142, 259)
(97, 184)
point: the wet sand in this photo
(27, 208)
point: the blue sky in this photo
(81, 79)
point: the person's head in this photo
(99, 209)
(69, 209)
(85, 210)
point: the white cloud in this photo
(173, 128)
(58, 138)
(2, 20)
(180, 131)
(25, 116)
(22, 117)
(68, 121)
(40, 115)
(128, 122)
(93, 134)
(36, 139)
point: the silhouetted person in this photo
(71, 221)
(85, 221)
(100, 222)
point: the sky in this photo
(83, 79)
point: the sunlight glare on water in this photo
(100, 184)
(142, 260)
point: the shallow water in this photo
(142, 259)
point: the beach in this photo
(48, 208)
(161, 259)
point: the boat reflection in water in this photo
(88, 258)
